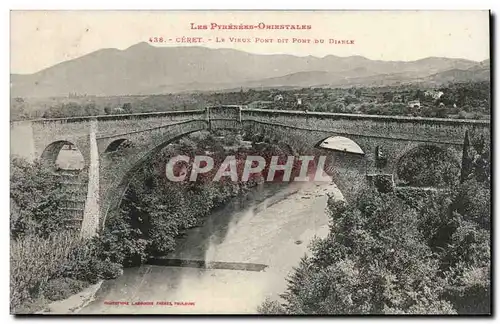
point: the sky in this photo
(40, 39)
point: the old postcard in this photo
(250, 162)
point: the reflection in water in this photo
(210, 267)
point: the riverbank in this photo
(74, 303)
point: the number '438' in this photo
(156, 39)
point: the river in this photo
(240, 256)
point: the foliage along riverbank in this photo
(47, 261)
(402, 252)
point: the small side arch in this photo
(340, 144)
(63, 155)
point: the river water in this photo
(239, 257)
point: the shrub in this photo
(34, 261)
(61, 288)
(35, 195)
(404, 252)
(472, 200)
(271, 307)
(383, 183)
(84, 263)
(428, 166)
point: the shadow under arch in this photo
(346, 165)
(427, 165)
(347, 168)
(117, 145)
(116, 193)
(63, 155)
(340, 144)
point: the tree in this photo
(36, 196)
(465, 169)
(127, 108)
(375, 260)
(428, 166)
(419, 95)
(91, 109)
(388, 96)
(441, 111)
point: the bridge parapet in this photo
(395, 127)
(116, 124)
(41, 133)
(224, 116)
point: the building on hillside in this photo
(371, 97)
(414, 104)
(118, 110)
(433, 94)
(397, 98)
(278, 97)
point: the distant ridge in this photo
(146, 69)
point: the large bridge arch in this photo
(344, 167)
(421, 157)
(117, 172)
(116, 192)
(341, 144)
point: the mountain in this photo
(478, 72)
(146, 69)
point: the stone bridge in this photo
(115, 146)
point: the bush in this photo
(35, 196)
(44, 254)
(85, 264)
(271, 307)
(62, 288)
(472, 200)
(120, 242)
(367, 266)
(428, 166)
(34, 261)
(383, 183)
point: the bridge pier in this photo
(207, 117)
(90, 221)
